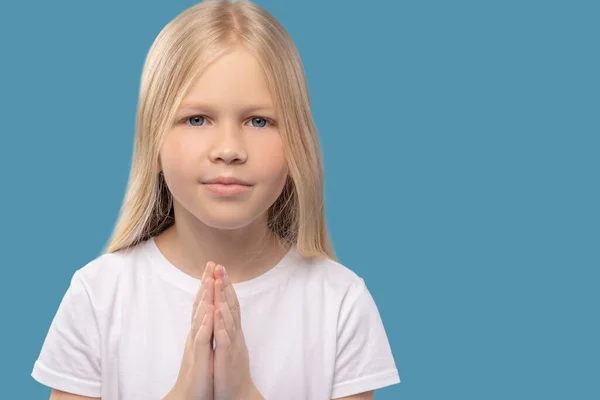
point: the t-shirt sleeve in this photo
(364, 359)
(70, 358)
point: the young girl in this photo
(219, 281)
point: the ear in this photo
(158, 166)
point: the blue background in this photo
(461, 144)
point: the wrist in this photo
(252, 393)
(172, 396)
(175, 394)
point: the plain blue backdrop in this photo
(460, 140)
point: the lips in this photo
(227, 180)
(231, 189)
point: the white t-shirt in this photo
(311, 326)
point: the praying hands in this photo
(222, 372)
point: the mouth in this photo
(227, 189)
(228, 180)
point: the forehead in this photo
(235, 79)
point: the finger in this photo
(198, 295)
(222, 306)
(207, 272)
(222, 339)
(207, 300)
(203, 337)
(232, 299)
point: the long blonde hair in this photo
(182, 51)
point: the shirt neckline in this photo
(190, 284)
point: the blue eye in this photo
(257, 122)
(196, 119)
(264, 121)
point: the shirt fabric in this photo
(311, 326)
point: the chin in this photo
(228, 225)
(226, 220)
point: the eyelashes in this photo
(200, 120)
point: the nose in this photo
(228, 145)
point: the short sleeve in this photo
(70, 358)
(364, 359)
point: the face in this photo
(226, 127)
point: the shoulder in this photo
(333, 275)
(102, 276)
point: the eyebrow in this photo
(202, 106)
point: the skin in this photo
(218, 131)
(58, 395)
(226, 126)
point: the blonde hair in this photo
(182, 51)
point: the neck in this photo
(245, 252)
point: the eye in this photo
(262, 122)
(196, 120)
(257, 122)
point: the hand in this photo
(232, 380)
(195, 379)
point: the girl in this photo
(219, 281)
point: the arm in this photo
(370, 395)
(60, 395)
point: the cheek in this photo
(270, 155)
(178, 167)
(177, 155)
